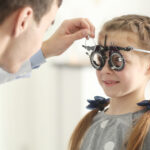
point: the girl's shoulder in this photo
(111, 129)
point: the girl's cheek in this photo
(98, 74)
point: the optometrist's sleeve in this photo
(37, 59)
(25, 70)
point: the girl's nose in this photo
(106, 69)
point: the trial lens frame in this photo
(114, 50)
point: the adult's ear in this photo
(23, 19)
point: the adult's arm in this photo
(69, 31)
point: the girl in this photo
(122, 61)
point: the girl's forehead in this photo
(122, 39)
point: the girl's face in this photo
(133, 77)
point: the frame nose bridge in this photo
(106, 67)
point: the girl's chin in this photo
(112, 94)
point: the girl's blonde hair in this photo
(140, 26)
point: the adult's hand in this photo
(66, 34)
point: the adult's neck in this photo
(5, 36)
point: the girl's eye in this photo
(117, 61)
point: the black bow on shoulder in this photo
(145, 103)
(98, 103)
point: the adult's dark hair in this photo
(40, 7)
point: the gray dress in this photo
(109, 132)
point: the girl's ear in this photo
(23, 19)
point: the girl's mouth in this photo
(110, 82)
